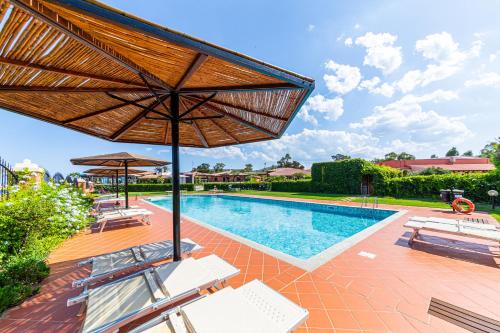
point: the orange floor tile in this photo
(350, 293)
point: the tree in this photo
(434, 156)
(161, 169)
(468, 153)
(452, 152)
(203, 167)
(405, 156)
(248, 168)
(434, 171)
(218, 167)
(491, 149)
(391, 156)
(287, 162)
(340, 157)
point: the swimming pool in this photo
(299, 230)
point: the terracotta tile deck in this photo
(349, 294)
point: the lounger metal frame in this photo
(416, 233)
(158, 305)
(110, 274)
(144, 217)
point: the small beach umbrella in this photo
(86, 66)
(120, 160)
(114, 172)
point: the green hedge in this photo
(475, 185)
(291, 186)
(143, 187)
(345, 177)
(241, 186)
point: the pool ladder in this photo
(364, 202)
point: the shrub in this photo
(34, 220)
(143, 187)
(475, 185)
(291, 186)
(346, 176)
(242, 186)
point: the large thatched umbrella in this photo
(123, 160)
(115, 172)
(86, 66)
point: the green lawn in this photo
(417, 202)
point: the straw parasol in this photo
(89, 67)
(114, 172)
(123, 160)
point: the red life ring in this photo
(456, 205)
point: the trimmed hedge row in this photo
(143, 187)
(291, 186)
(346, 177)
(242, 186)
(475, 185)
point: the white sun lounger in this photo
(132, 258)
(117, 303)
(452, 229)
(253, 307)
(121, 214)
(454, 222)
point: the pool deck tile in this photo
(348, 294)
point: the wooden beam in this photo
(241, 121)
(242, 108)
(202, 118)
(197, 62)
(43, 13)
(200, 134)
(241, 88)
(197, 105)
(138, 105)
(225, 131)
(165, 138)
(51, 69)
(17, 89)
(135, 120)
(111, 108)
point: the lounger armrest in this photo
(77, 299)
(85, 262)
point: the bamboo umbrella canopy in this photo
(89, 67)
(114, 172)
(120, 160)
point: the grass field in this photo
(416, 202)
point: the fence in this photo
(7, 178)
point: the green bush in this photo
(346, 176)
(142, 187)
(33, 221)
(291, 186)
(241, 186)
(475, 185)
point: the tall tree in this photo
(490, 149)
(452, 152)
(405, 156)
(434, 156)
(203, 167)
(287, 162)
(248, 167)
(391, 156)
(218, 167)
(468, 153)
(340, 157)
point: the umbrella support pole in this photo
(117, 186)
(126, 184)
(176, 198)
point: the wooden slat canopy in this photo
(89, 67)
(118, 160)
(112, 172)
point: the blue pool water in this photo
(299, 229)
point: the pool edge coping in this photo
(315, 261)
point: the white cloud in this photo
(330, 108)
(312, 145)
(311, 27)
(231, 152)
(490, 79)
(406, 119)
(381, 52)
(149, 148)
(357, 26)
(345, 79)
(348, 42)
(373, 87)
(445, 52)
(163, 151)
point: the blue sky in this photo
(417, 76)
